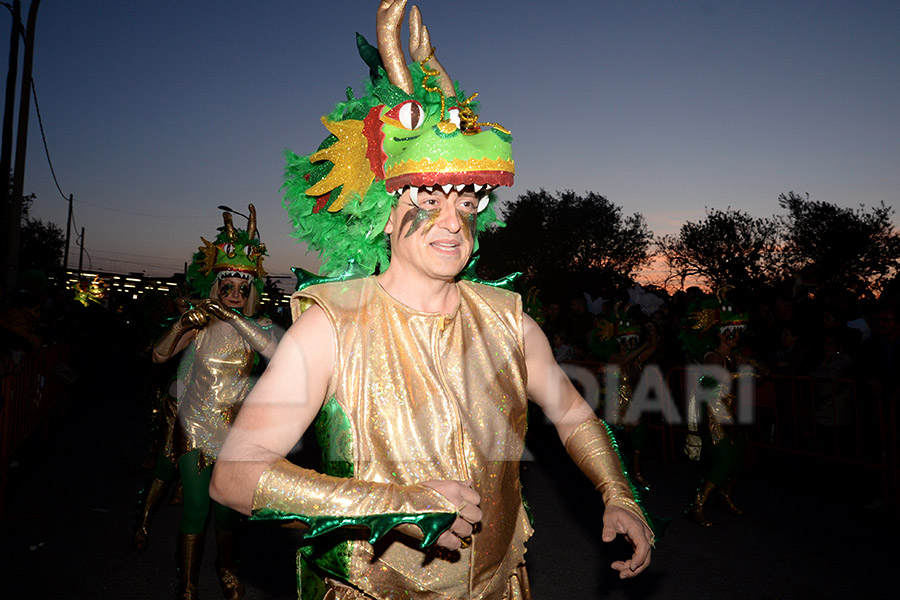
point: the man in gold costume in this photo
(417, 379)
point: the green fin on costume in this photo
(306, 279)
(431, 524)
(505, 283)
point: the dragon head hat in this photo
(234, 253)
(700, 329)
(412, 129)
(614, 331)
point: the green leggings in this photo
(164, 469)
(728, 456)
(196, 498)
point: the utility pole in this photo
(65, 264)
(81, 253)
(8, 110)
(15, 204)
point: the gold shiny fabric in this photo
(432, 396)
(218, 382)
(592, 451)
(627, 374)
(170, 416)
(286, 488)
(517, 588)
(720, 415)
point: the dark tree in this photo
(728, 247)
(41, 245)
(565, 243)
(855, 249)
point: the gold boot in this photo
(155, 493)
(636, 470)
(189, 554)
(232, 587)
(727, 500)
(695, 513)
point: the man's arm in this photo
(252, 476)
(587, 441)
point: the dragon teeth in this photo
(414, 195)
(478, 187)
(447, 188)
(483, 202)
(460, 187)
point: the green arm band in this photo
(592, 448)
(287, 492)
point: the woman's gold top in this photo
(217, 383)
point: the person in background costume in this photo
(616, 340)
(713, 332)
(415, 377)
(223, 338)
(165, 469)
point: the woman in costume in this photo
(616, 341)
(223, 339)
(712, 332)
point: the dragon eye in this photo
(227, 248)
(453, 116)
(250, 251)
(409, 114)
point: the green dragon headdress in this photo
(704, 321)
(234, 253)
(613, 331)
(411, 129)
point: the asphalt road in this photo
(70, 512)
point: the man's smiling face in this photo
(434, 231)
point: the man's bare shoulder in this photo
(312, 321)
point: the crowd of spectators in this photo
(845, 350)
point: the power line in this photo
(139, 255)
(37, 110)
(128, 212)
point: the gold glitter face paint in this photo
(418, 217)
(228, 288)
(469, 219)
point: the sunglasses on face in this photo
(228, 288)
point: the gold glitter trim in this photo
(351, 166)
(449, 166)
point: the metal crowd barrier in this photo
(27, 396)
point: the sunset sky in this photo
(156, 112)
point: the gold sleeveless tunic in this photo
(430, 396)
(215, 387)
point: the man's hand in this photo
(466, 500)
(619, 521)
